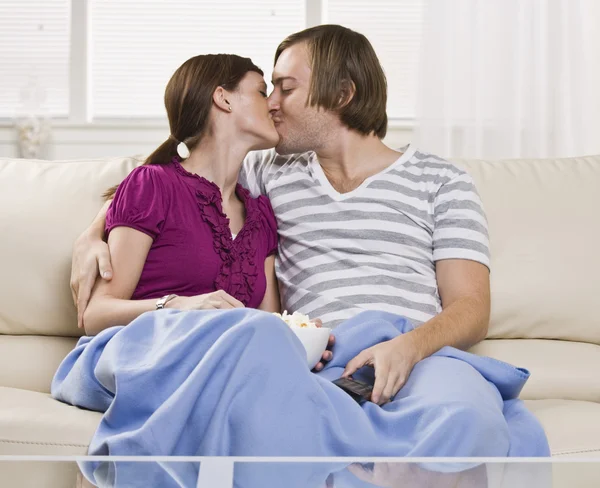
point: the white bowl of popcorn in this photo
(313, 338)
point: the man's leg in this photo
(457, 412)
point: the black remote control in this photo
(361, 392)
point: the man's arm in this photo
(90, 258)
(461, 256)
(464, 288)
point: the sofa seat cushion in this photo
(33, 423)
(29, 362)
(559, 369)
(572, 427)
(27, 473)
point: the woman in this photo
(181, 231)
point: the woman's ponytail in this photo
(164, 153)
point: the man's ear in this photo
(221, 99)
(347, 92)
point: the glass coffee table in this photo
(225, 472)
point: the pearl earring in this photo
(183, 151)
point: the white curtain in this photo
(510, 78)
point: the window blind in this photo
(136, 45)
(34, 57)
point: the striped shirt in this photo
(374, 247)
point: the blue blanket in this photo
(236, 383)
(322, 474)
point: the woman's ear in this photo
(221, 99)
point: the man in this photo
(361, 226)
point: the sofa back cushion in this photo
(45, 206)
(544, 229)
(544, 222)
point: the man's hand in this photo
(393, 362)
(464, 288)
(90, 256)
(327, 355)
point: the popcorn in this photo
(296, 319)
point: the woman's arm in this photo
(110, 303)
(271, 301)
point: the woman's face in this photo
(251, 112)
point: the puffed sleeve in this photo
(139, 203)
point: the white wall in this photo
(594, 6)
(73, 141)
(69, 141)
(76, 139)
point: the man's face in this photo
(301, 128)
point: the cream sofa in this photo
(544, 226)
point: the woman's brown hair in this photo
(347, 76)
(188, 100)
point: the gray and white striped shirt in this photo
(374, 247)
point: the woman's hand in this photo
(209, 301)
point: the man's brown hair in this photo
(342, 62)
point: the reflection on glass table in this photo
(229, 473)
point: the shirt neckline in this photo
(317, 171)
(208, 187)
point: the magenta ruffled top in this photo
(193, 251)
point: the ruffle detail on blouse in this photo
(238, 272)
